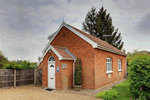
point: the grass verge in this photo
(118, 92)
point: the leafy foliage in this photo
(118, 92)
(20, 65)
(139, 76)
(12, 65)
(3, 60)
(99, 24)
(108, 95)
(78, 72)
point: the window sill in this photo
(108, 72)
(120, 70)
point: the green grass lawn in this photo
(118, 92)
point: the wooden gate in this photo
(39, 77)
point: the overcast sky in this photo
(26, 24)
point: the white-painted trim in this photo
(108, 72)
(81, 35)
(59, 56)
(120, 70)
(44, 50)
(94, 45)
(109, 50)
(43, 56)
(109, 75)
(51, 35)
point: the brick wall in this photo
(93, 63)
(79, 48)
(101, 78)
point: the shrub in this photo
(108, 95)
(3, 60)
(78, 72)
(11, 65)
(20, 65)
(139, 76)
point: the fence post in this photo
(35, 75)
(14, 77)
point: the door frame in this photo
(51, 63)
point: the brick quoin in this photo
(93, 63)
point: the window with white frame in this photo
(108, 64)
(119, 64)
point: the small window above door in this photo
(51, 58)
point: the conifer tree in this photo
(99, 24)
(78, 72)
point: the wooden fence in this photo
(13, 78)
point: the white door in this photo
(51, 74)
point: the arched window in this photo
(108, 64)
(51, 58)
(119, 64)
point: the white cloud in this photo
(25, 25)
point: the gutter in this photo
(109, 50)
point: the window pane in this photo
(107, 67)
(110, 67)
(51, 59)
(52, 66)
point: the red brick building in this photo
(102, 63)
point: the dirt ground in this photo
(32, 92)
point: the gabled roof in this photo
(99, 41)
(64, 53)
(95, 42)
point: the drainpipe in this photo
(73, 69)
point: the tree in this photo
(78, 72)
(99, 24)
(3, 60)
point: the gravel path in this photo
(92, 93)
(32, 92)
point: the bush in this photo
(3, 60)
(20, 65)
(139, 76)
(108, 95)
(11, 65)
(78, 72)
